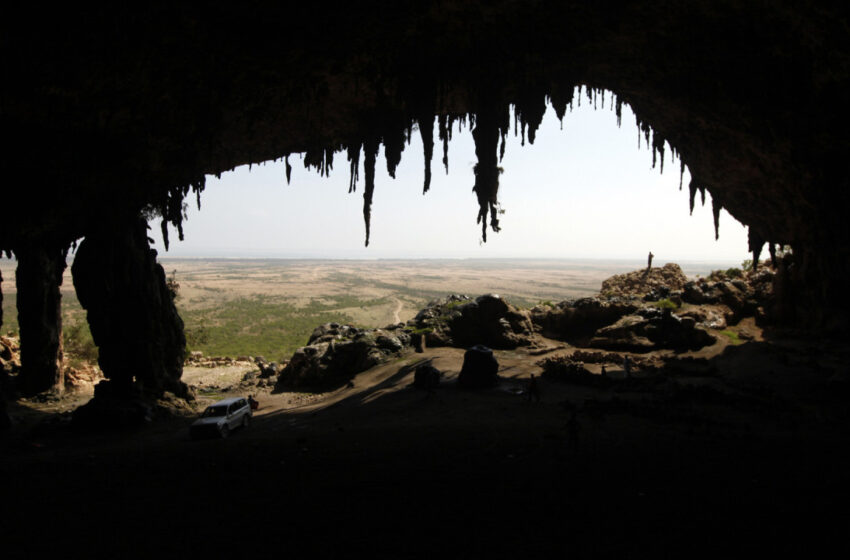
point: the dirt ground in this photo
(738, 450)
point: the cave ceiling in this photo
(105, 113)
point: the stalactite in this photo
(426, 131)
(163, 225)
(692, 187)
(370, 149)
(393, 146)
(354, 165)
(682, 173)
(486, 137)
(531, 109)
(657, 146)
(755, 243)
(618, 111)
(443, 123)
(288, 169)
(716, 207)
(702, 194)
(771, 248)
(328, 161)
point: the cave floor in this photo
(754, 460)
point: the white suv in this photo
(222, 417)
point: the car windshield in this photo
(215, 411)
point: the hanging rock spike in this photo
(393, 146)
(716, 207)
(370, 148)
(426, 131)
(354, 165)
(771, 248)
(692, 187)
(486, 137)
(682, 174)
(442, 124)
(288, 169)
(755, 243)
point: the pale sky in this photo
(582, 192)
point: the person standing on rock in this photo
(649, 260)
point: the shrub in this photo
(665, 304)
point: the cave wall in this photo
(118, 110)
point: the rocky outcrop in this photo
(426, 377)
(576, 320)
(39, 302)
(668, 278)
(461, 321)
(335, 353)
(130, 311)
(651, 329)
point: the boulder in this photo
(461, 321)
(651, 329)
(480, 368)
(337, 353)
(564, 369)
(574, 321)
(427, 377)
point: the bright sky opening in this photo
(584, 192)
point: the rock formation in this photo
(463, 322)
(39, 302)
(130, 311)
(335, 353)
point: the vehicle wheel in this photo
(245, 421)
(225, 431)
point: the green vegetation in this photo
(262, 325)
(732, 336)
(665, 304)
(734, 273)
(78, 343)
(747, 265)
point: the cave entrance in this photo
(586, 189)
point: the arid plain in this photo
(269, 307)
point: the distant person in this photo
(533, 389)
(253, 402)
(627, 366)
(604, 372)
(649, 260)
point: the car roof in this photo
(226, 402)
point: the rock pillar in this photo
(38, 278)
(130, 311)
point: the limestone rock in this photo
(338, 352)
(461, 321)
(641, 282)
(579, 319)
(427, 377)
(480, 368)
